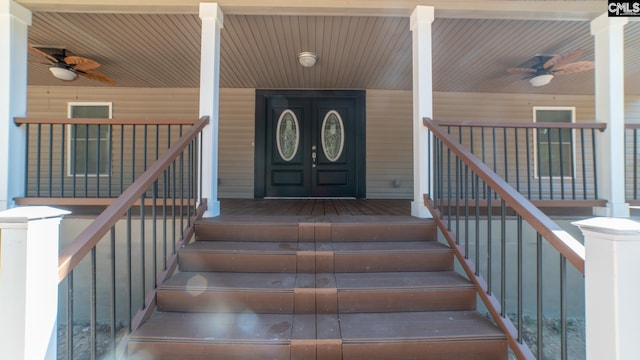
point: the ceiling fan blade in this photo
(81, 63)
(97, 76)
(40, 53)
(521, 70)
(575, 67)
(562, 60)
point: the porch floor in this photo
(315, 207)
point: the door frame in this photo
(260, 144)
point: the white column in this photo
(14, 25)
(211, 16)
(29, 282)
(421, 20)
(608, 35)
(611, 272)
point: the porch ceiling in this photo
(372, 52)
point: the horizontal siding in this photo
(632, 168)
(390, 149)
(389, 144)
(128, 103)
(505, 107)
(236, 159)
(236, 133)
(388, 133)
(632, 110)
(518, 108)
(53, 159)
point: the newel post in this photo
(612, 248)
(29, 282)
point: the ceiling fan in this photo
(542, 68)
(67, 67)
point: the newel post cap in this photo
(29, 213)
(613, 227)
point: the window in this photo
(554, 153)
(89, 146)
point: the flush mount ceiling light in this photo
(63, 73)
(540, 80)
(307, 58)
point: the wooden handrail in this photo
(89, 237)
(632, 126)
(521, 125)
(561, 240)
(88, 121)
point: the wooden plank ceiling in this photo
(355, 52)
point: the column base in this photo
(419, 210)
(615, 210)
(5, 205)
(213, 209)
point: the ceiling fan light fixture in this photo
(63, 73)
(307, 58)
(540, 80)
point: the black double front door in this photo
(309, 144)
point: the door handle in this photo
(313, 156)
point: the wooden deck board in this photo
(314, 207)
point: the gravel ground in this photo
(82, 340)
(551, 349)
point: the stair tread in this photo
(385, 247)
(229, 281)
(318, 228)
(398, 280)
(376, 327)
(202, 281)
(279, 247)
(212, 327)
(351, 328)
(261, 247)
(295, 220)
(308, 257)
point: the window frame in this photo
(69, 131)
(570, 142)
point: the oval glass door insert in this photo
(332, 135)
(287, 135)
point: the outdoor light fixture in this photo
(307, 58)
(63, 73)
(540, 80)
